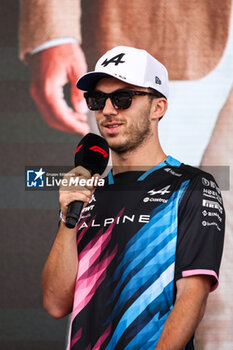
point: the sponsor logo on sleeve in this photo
(212, 194)
(210, 183)
(211, 214)
(214, 185)
(207, 223)
(205, 181)
(212, 205)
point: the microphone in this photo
(92, 153)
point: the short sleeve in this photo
(201, 225)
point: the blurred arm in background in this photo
(52, 68)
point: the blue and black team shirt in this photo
(138, 235)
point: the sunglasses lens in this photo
(95, 101)
(122, 99)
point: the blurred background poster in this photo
(48, 44)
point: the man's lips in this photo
(113, 127)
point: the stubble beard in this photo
(135, 135)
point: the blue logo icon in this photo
(35, 178)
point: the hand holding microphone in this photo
(91, 158)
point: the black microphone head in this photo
(92, 153)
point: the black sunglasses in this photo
(121, 99)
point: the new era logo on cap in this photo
(134, 66)
(157, 80)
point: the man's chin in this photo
(115, 145)
(114, 142)
(120, 148)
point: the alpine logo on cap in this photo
(157, 80)
(116, 60)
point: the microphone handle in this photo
(74, 209)
(73, 213)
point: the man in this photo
(139, 266)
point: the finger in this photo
(92, 183)
(79, 171)
(71, 182)
(78, 179)
(77, 184)
(96, 179)
(65, 197)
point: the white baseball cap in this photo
(134, 66)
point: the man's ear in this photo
(158, 108)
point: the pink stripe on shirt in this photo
(189, 273)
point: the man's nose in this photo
(109, 108)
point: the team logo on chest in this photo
(161, 192)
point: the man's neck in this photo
(142, 158)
